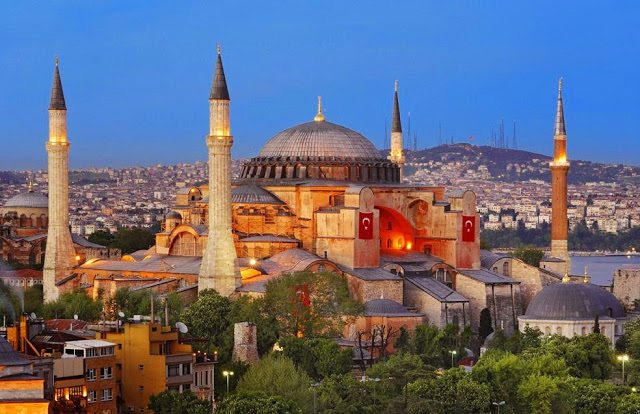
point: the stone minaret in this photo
(395, 153)
(60, 255)
(559, 169)
(219, 270)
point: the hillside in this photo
(511, 165)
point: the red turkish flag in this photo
(365, 227)
(468, 228)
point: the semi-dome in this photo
(29, 199)
(573, 301)
(174, 215)
(320, 139)
(252, 194)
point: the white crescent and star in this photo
(366, 222)
(468, 225)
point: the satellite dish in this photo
(182, 327)
(33, 316)
(121, 314)
(75, 316)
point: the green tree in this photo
(628, 404)
(313, 304)
(169, 402)
(485, 328)
(485, 244)
(472, 397)
(278, 376)
(594, 397)
(33, 300)
(403, 341)
(134, 239)
(319, 357)
(344, 394)
(208, 316)
(103, 238)
(71, 406)
(256, 403)
(74, 303)
(543, 394)
(531, 255)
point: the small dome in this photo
(30, 199)
(173, 215)
(573, 301)
(252, 194)
(319, 139)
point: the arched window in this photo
(505, 268)
(390, 225)
(584, 330)
(495, 269)
(456, 320)
(547, 330)
(258, 252)
(32, 259)
(603, 330)
(245, 251)
(389, 243)
(610, 312)
(23, 221)
(559, 330)
(186, 244)
(321, 268)
(400, 242)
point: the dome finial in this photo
(566, 278)
(218, 47)
(319, 116)
(56, 60)
(586, 275)
(30, 185)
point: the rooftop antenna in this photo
(182, 327)
(409, 132)
(386, 137)
(415, 141)
(515, 141)
(440, 134)
(451, 139)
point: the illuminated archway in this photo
(395, 229)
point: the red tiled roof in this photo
(22, 273)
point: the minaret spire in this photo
(219, 85)
(219, 269)
(395, 152)
(60, 253)
(559, 128)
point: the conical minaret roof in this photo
(219, 86)
(559, 129)
(396, 124)
(57, 96)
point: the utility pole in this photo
(515, 142)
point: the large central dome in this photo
(320, 139)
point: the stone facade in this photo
(626, 286)
(245, 342)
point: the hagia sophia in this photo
(320, 197)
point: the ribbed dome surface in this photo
(28, 200)
(174, 215)
(252, 194)
(320, 139)
(573, 301)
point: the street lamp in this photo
(227, 374)
(498, 404)
(453, 353)
(623, 358)
(375, 380)
(316, 385)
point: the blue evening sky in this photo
(136, 74)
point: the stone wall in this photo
(626, 286)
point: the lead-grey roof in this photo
(573, 301)
(219, 85)
(9, 356)
(157, 263)
(396, 125)
(320, 139)
(269, 238)
(81, 241)
(487, 258)
(57, 96)
(487, 276)
(370, 274)
(28, 199)
(436, 289)
(252, 194)
(559, 127)
(386, 307)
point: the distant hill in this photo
(512, 164)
